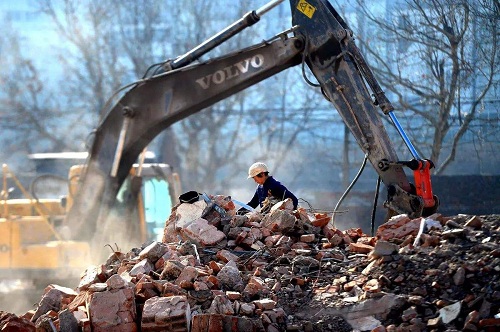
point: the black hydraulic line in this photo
(374, 209)
(349, 189)
(247, 20)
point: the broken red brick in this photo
(360, 248)
(308, 238)
(226, 256)
(265, 304)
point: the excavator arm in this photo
(347, 81)
(319, 37)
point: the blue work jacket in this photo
(272, 188)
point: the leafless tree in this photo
(90, 53)
(439, 59)
(30, 115)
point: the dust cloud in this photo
(18, 296)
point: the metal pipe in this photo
(267, 7)
(119, 146)
(403, 136)
(141, 161)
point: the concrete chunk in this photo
(181, 216)
(279, 221)
(201, 232)
(154, 251)
(52, 299)
(143, 267)
(230, 278)
(117, 282)
(171, 313)
(449, 313)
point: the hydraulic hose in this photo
(348, 189)
(374, 209)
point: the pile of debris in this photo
(216, 270)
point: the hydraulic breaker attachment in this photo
(423, 186)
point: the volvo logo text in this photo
(227, 73)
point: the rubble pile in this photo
(216, 270)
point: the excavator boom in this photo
(321, 39)
(155, 103)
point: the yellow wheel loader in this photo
(36, 246)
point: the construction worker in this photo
(268, 188)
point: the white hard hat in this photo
(256, 168)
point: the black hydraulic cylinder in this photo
(247, 20)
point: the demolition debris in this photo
(285, 270)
